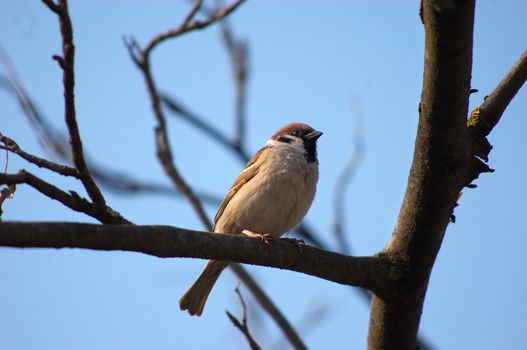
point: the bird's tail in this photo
(194, 299)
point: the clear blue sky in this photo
(309, 61)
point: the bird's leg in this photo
(264, 237)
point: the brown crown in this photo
(289, 129)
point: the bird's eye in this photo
(295, 133)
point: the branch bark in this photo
(174, 242)
(484, 118)
(71, 200)
(67, 62)
(436, 176)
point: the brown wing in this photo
(251, 169)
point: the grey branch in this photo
(348, 171)
(492, 108)
(484, 118)
(11, 146)
(66, 62)
(269, 307)
(71, 200)
(242, 325)
(174, 242)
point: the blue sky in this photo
(311, 61)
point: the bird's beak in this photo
(313, 135)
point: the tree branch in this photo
(142, 60)
(238, 52)
(66, 62)
(345, 177)
(269, 307)
(188, 26)
(437, 174)
(13, 147)
(55, 144)
(492, 108)
(242, 325)
(71, 200)
(172, 242)
(484, 118)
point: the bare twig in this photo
(6, 193)
(71, 200)
(12, 146)
(187, 25)
(142, 59)
(266, 303)
(6, 160)
(484, 118)
(492, 108)
(52, 141)
(56, 145)
(349, 170)
(125, 184)
(52, 6)
(238, 52)
(67, 62)
(312, 318)
(242, 325)
(178, 109)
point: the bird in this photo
(269, 198)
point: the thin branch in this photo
(492, 108)
(238, 52)
(178, 109)
(67, 63)
(349, 170)
(56, 145)
(195, 8)
(7, 192)
(313, 317)
(172, 242)
(484, 118)
(71, 200)
(52, 6)
(52, 141)
(142, 59)
(13, 147)
(242, 325)
(187, 26)
(266, 304)
(125, 184)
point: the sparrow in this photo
(269, 198)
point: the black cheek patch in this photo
(285, 139)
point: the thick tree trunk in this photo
(437, 175)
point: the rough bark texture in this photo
(172, 242)
(436, 176)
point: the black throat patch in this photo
(311, 150)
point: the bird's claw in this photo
(263, 237)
